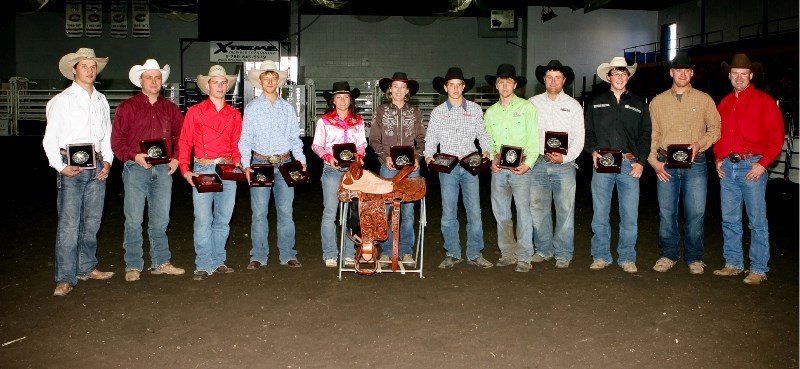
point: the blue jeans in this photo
(212, 216)
(553, 184)
(259, 228)
(153, 186)
(735, 189)
(406, 246)
(628, 199)
(469, 185)
(690, 185)
(80, 209)
(506, 185)
(330, 198)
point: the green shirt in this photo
(514, 125)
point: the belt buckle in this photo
(734, 158)
(274, 159)
(219, 161)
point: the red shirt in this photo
(751, 123)
(213, 134)
(136, 119)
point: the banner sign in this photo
(141, 18)
(74, 15)
(94, 18)
(242, 51)
(119, 18)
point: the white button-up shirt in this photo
(564, 114)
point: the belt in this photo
(220, 160)
(627, 156)
(273, 159)
(735, 158)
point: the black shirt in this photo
(622, 126)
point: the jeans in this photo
(153, 186)
(330, 198)
(553, 184)
(80, 209)
(690, 185)
(406, 246)
(735, 189)
(506, 185)
(469, 184)
(259, 228)
(212, 216)
(628, 199)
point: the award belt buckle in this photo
(274, 159)
(627, 156)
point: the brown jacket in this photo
(393, 126)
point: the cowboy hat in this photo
(680, 61)
(616, 62)
(214, 71)
(742, 61)
(254, 75)
(67, 62)
(413, 86)
(452, 73)
(569, 74)
(136, 71)
(341, 88)
(507, 71)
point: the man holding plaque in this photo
(685, 124)
(511, 122)
(270, 135)
(398, 138)
(453, 127)
(617, 136)
(752, 137)
(561, 136)
(145, 139)
(212, 128)
(79, 116)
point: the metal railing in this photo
(773, 27)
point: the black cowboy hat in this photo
(452, 73)
(569, 74)
(341, 87)
(507, 71)
(413, 86)
(680, 61)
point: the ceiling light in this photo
(548, 14)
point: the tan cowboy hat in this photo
(214, 71)
(616, 62)
(254, 75)
(67, 62)
(136, 71)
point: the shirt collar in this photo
(450, 106)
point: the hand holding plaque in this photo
(156, 151)
(510, 157)
(556, 142)
(610, 161)
(679, 156)
(475, 163)
(402, 156)
(293, 173)
(81, 155)
(263, 175)
(207, 183)
(443, 163)
(345, 154)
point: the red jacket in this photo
(751, 123)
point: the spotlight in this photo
(548, 14)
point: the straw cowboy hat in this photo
(341, 88)
(452, 73)
(507, 71)
(569, 74)
(254, 75)
(214, 71)
(617, 62)
(742, 61)
(136, 71)
(68, 61)
(413, 86)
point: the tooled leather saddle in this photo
(372, 193)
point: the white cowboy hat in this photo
(254, 75)
(214, 71)
(136, 71)
(68, 61)
(617, 62)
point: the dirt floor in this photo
(463, 317)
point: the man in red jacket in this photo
(752, 136)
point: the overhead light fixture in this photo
(548, 14)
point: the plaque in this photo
(207, 183)
(443, 163)
(263, 175)
(556, 142)
(510, 157)
(81, 155)
(402, 156)
(293, 173)
(679, 156)
(156, 151)
(345, 154)
(475, 163)
(610, 161)
(230, 172)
